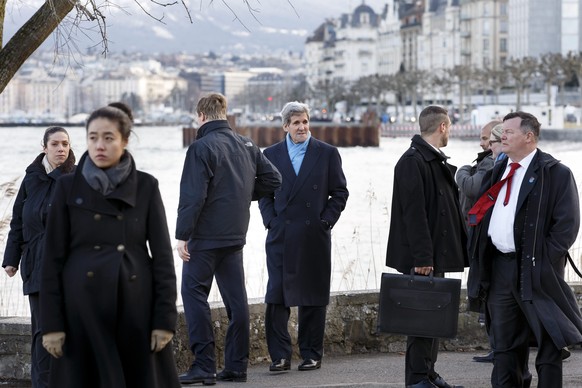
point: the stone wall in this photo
(351, 329)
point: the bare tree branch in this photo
(35, 31)
(53, 17)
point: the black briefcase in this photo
(419, 306)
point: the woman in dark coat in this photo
(108, 292)
(27, 230)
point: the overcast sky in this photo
(278, 24)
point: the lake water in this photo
(359, 238)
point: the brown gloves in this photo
(53, 343)
(160, 339)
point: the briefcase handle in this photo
(430, 276)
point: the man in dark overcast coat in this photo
(299, 217)
(427, 231)
(519, 249)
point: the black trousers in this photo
(421, 355)
(512, 324)
(40, 359)
(226, 265)
(310, 332)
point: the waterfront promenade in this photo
(380, 370)
(387, 370)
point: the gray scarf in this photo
(105, 181)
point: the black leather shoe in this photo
(196, 375)
(231, 375)
(486, 358)
(422, 384)
(309, 364)
(438, 381)
(280, 365)
(565, 353)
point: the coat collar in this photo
(427, 151)
(429, 154)
(482, 155)
(309, 161)
(37, 168)
(82, 195)
(212, 126)
(540, 160)
(281, 154)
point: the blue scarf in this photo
(297, 152)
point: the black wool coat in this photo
(546, 224)
(24, 247)
(298, 244)
(426, 225)
(108, 280)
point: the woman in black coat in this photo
(108, 291)
(27, 230)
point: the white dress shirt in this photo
(501, 225)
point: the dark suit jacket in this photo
(546, 224)
(426, 224)
(298, 243)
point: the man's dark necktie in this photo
(488, 199)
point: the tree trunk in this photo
(30, 36)
(2, 17)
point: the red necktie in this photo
(488, 199)
(509, 178)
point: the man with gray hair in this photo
(299, 218)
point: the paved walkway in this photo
(387, 370)
(381, 370)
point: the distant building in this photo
(318, 58)
(390, 57)
(484, 33)
(410, 14)
(41, 95)
(344, 49)
(439, 44)
(544, 26)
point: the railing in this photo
(409, 130)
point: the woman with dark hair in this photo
(27, 231)
(108, 287)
